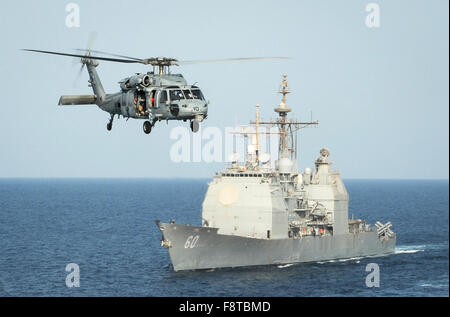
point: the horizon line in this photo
(187, 177)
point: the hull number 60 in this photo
(191, 242)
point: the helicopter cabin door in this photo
(127, 104)
(162, 98)
(135, 104)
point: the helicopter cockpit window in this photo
(163, 97)
(187, 94)
(176, 95)
(197, 94)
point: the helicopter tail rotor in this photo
(91, 40)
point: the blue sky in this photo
(380, 94)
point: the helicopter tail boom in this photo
(77, 100)
(94, 80)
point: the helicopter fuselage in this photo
(155, 98)
(152, 97)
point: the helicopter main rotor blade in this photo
(224, 60)
(106, 53)
(87, 57)
(155, 61)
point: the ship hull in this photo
(193, 248)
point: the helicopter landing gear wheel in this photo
(195, 126)
(147, 127)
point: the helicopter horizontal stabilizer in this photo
(77, 100)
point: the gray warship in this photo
(259, 213)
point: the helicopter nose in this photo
(198, 107)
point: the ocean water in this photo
(107, 227)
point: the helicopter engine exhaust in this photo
(146, 81)
(143, 80)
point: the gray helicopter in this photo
(154, 96)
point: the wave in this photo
(436, 285)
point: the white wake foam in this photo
(356, 259)
(410, 249)
(407, 251)
(350, 259)
(285, 265)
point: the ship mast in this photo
(287, 128)
(257, 135)
(282, 111)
